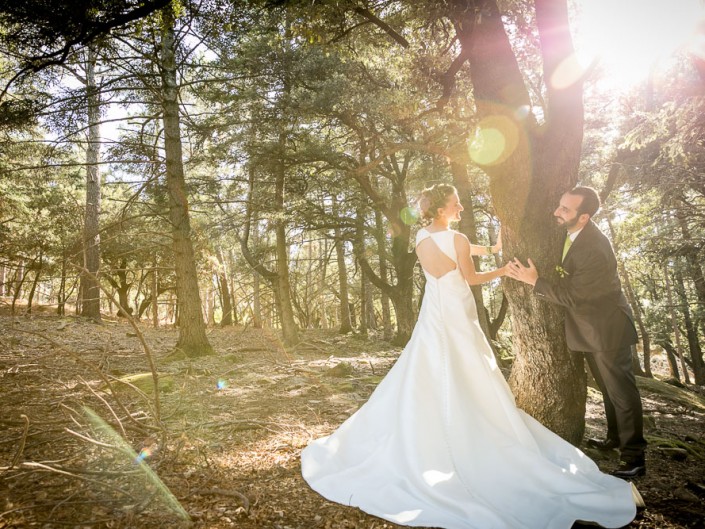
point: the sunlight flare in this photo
(496, 138)
(434, 477)
(117, 440)
(409, 215)
(632, 37)
(568, 72)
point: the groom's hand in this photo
(525, 274)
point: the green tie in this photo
(566, 245)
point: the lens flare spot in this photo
(568, 72)
(144, 454)
(522, 112)
(409, 216)
(222, 384)
(495, 139)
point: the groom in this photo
(598, 322)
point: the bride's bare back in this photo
(432, 258)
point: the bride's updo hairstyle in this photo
(432, 199)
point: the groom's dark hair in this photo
(591, 200)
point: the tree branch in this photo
(366, 13)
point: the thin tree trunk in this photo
(20, 276)
(696, 353)
(33, 289)
(323, 260)
(283, 284)
(674, 323)
(90, 289)
(61, 298)
(257, 318)
(192, 330)
(345, 321)
(388, 332)
(695, 268)
(225, 298)
(636, 310)
(155, 295)
(672, 358)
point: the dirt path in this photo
(236, 424)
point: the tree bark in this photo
(636, 310)
(192, 330)
(283, 283)
(61, 296)
(527, 178)
(323, 266)
(19, 280)
(345, 321)
(468, 227)
(33, 289)
(122, 288)
(691, 330)
(674, 323)
(388, 332)
(90, 289)
(155, 295)
(225, 297)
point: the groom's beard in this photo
(567, 224)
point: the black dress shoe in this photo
(627, 470)
(602, 444)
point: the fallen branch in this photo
(20, 449)
(228, 493)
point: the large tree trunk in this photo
(192, 330)
(527, 178)
(90, 289)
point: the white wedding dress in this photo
(441, 443)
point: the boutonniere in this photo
(561, 271)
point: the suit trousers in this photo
(614, 375)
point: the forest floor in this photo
(235, 425)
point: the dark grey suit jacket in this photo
(597, 315)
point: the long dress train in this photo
(441, 443)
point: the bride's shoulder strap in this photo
(421, 235)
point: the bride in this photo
(441, 443)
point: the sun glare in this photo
(631, 37)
